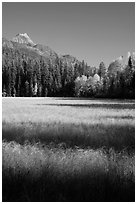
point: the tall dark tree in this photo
(102, 72)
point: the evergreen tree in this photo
(102, 72)
(27, 88)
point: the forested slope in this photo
(30, 69)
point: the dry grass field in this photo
(66, 149)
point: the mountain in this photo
(26, 64)
(45, 50)
(23, 39)
(116, 66)
(132, 54)
(6, 43)
(23, 43)
(69, 58)
(30, 69)
(119, 64)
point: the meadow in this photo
(66, 149)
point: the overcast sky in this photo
(91, 31)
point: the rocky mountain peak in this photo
(23, 39)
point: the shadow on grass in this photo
(82, 135)
(94, 99)
(120, 117)
(107, 106)
(101, 187)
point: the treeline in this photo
(24, 76)
(116, 81)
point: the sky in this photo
(91, 31)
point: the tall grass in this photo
(82, 135)
(48, 173)
(68, 150)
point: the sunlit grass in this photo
(48, 110)
(68, 150)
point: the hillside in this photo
(30, 69)
(24, 44)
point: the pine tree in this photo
(27, 88)
(102, 72)
(13, 79)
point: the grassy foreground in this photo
(68, 150)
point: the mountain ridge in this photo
(30, 69)
(23, 38)
(23, 42)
